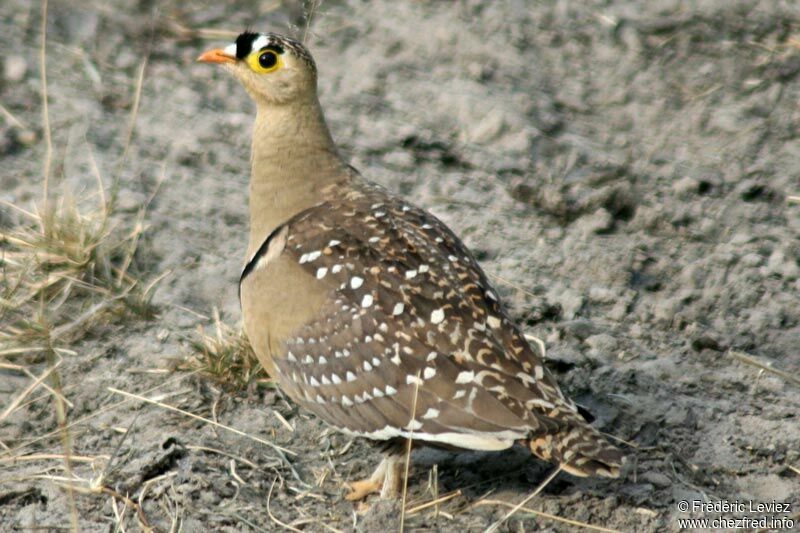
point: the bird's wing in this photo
(411, 336)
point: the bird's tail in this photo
(580, 450)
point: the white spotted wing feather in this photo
(410, 311)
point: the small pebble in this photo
(685, 186)
(400, 159)
(601, 221)
(580, 329)
(487, 130)
(14, 68)
(664, 310)
(656, 478)
(678, 416)
(130, 201)
(751, 260)
(602, 295)
(26, 137)
(602, 345)
(707, 341)
(570, 301)
(779, 263)
(619, 310)
(741, 238)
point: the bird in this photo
(368, 311)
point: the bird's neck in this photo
(293, 160)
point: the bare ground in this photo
(622, 170)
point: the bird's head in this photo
(273, 69)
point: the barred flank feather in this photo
(581, 451)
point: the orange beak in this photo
(217, 55)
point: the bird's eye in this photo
(267, 60)
(264, 61)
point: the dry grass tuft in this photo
(64, 269)
(225, 356)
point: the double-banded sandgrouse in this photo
(369, 311)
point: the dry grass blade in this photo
(549, 516)
(409, 442)
(66, 439)
(202, 419)
(310, 11)
(242, 460)
(494, 527)
(94, 414)
(185, 32)
(52, 356)
(137, 98)
(245, 521)
(11, 118)
(744, 358)
(35, 457)
(279, 450)
(48, 139)
(272, 517)
(37, 381)
(94, 487)
(512, 284)
(436, 501)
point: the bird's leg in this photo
(387, 479)
(364, 487)
(393, 480)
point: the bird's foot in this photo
(386, 480)
(359, 490)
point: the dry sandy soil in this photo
(622, 169)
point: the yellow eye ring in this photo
(264, 61)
